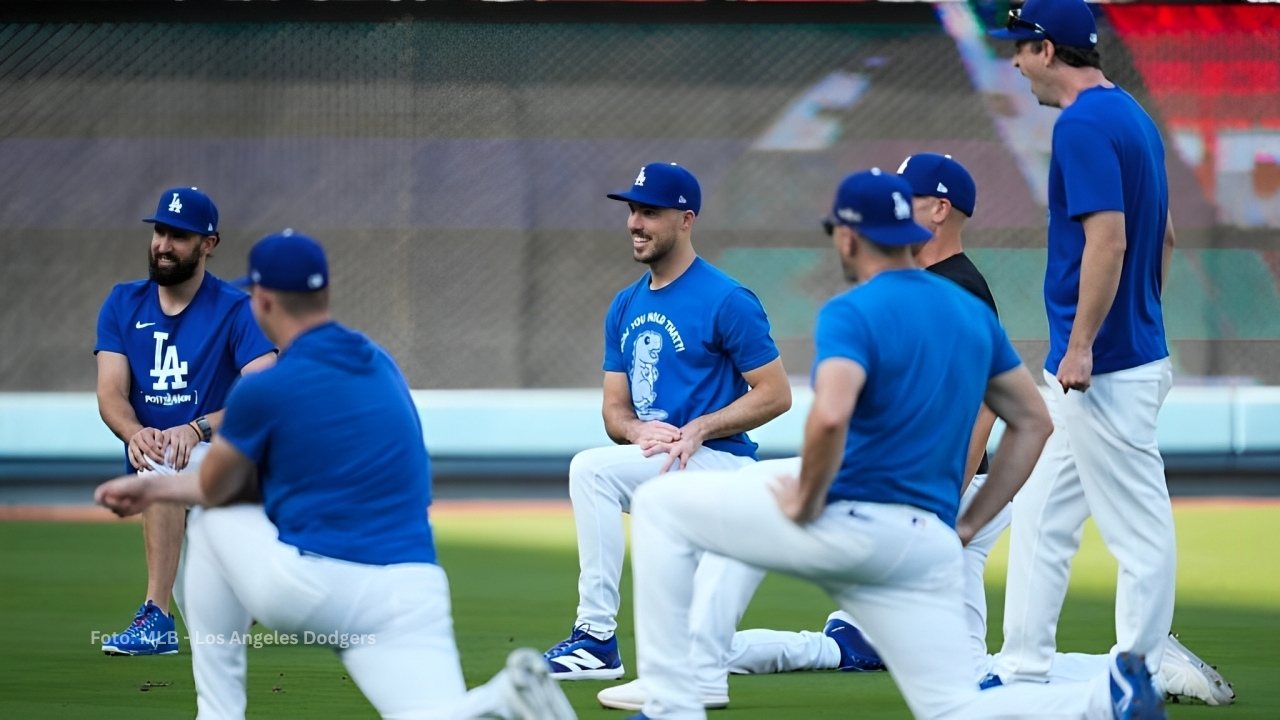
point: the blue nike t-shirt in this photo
(928, 348)
(182, 366)
(1108, 155)
(685, 346)
(338, 443)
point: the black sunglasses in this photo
(828, 226)
(1017, 23)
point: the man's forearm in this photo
(1100, 269)
(757, 407)
(119, 416)
(183, 488)
(1016, 457)
(619, 423)
(819, 461)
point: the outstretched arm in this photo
(225, 475)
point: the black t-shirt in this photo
(960, 269)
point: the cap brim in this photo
(640, 198)
(1016, 34)
(896, 234)
(179, 225)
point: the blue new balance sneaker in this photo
(856, 654)
(1133, 697)
(583, 656)
(151, 633)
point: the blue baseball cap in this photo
(288, 261)
(934, 175)
(186, 208)
(877, 205)
(664, 185)
(1065, 22)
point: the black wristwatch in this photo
(206, 430)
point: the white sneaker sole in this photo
(631, 697)
(115, 651)
(605, 674)
(1186, 677)
(535, 696)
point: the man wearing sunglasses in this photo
(1110, 239)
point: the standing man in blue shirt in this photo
(168, 350)
(340, 553)
(689, 369)
(1110, 239)
(944, 196)
(902, 363)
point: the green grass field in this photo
(513, 578)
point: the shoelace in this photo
(578, 636)
(145, 617)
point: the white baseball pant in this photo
(896, 568)
(768, 651)
(600, 484)
(394, 620)
(1102, 459)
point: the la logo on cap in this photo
(640, 179)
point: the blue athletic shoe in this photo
(583, 656)
(151, 633)
(1133, 697)
(856, 654)
(990, 681)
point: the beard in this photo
(655, 250)
(182, 270)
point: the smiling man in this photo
(683, 346)
(169, 349)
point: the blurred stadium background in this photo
(454, 159)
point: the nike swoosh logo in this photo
(140, 325)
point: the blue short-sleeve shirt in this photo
(685, 346)
(1107, 156)
(337, 439)
(928, 348)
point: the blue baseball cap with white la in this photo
(186, 208)
(878, 205)
(934, 175)
(664, 185)
(1065, 22)
(288, 261)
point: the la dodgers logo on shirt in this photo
(169, 372)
